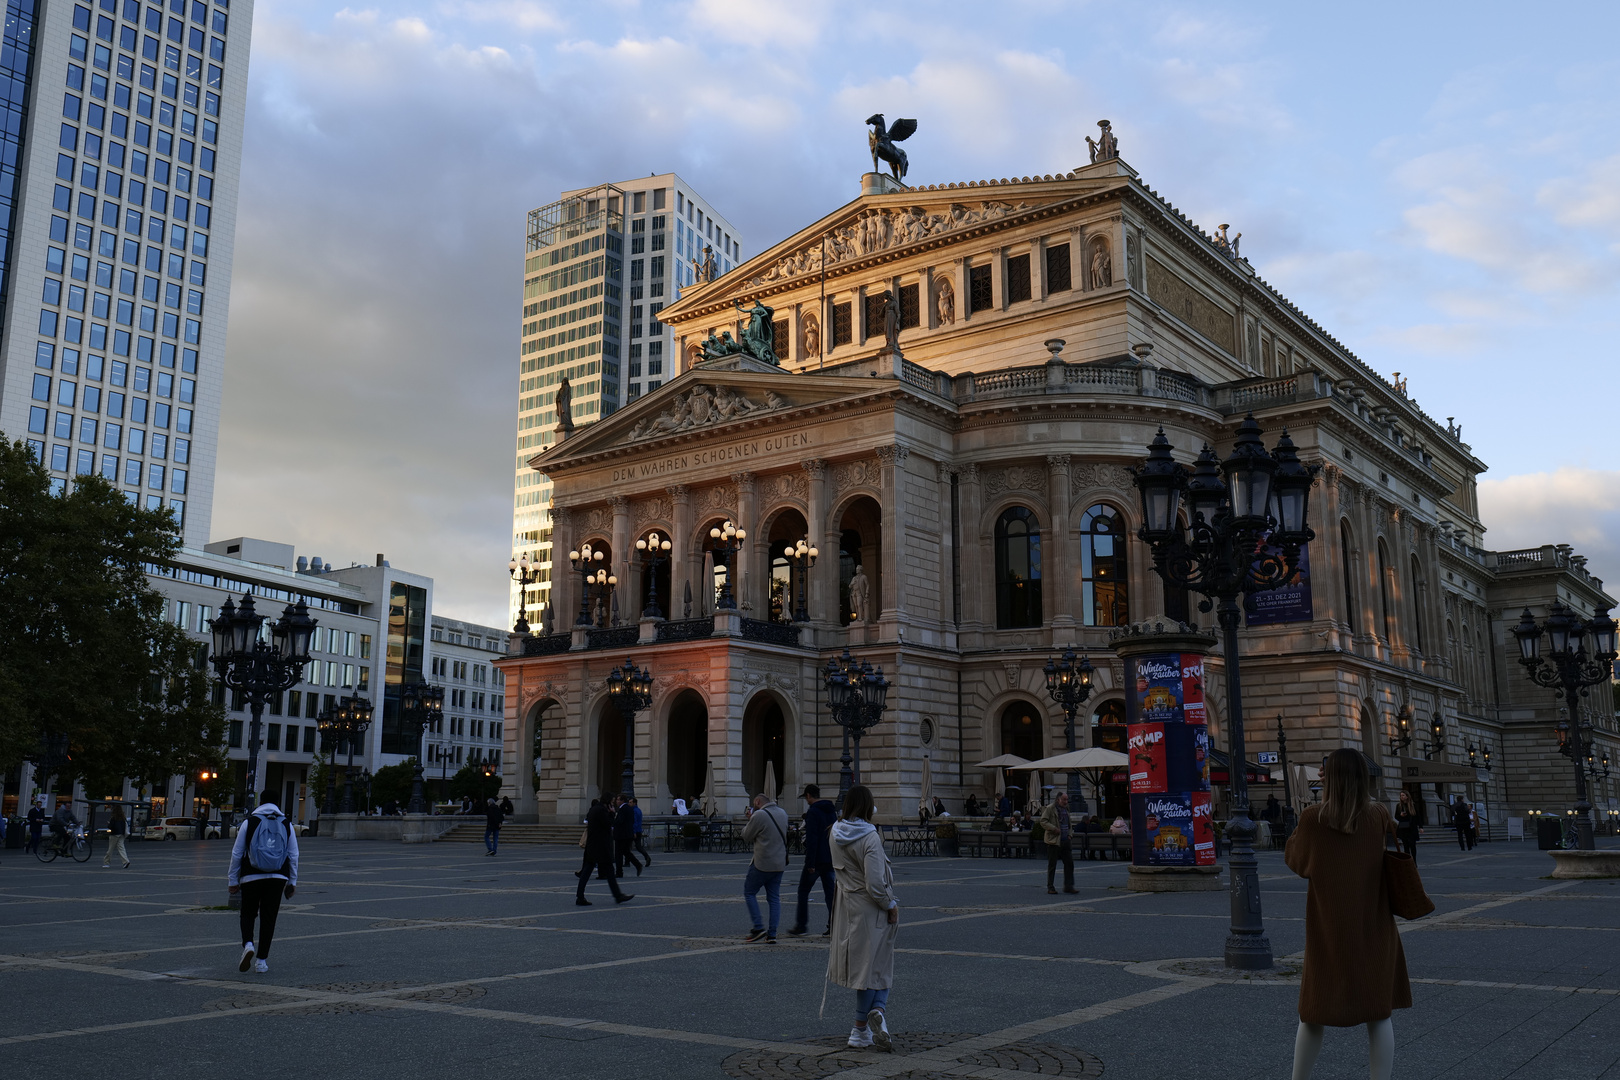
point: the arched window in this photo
(1018, 569)
(1352, 610)
(1386, 591)
(1021, 725)
(1102, 567)
(1417, 607)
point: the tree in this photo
(470, 780)
(393, 782)
(84, 650)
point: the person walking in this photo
(598, 844)
(264, 868)
(819, 817)
(1355, 969)
(866, 919)
(492, 826)
(117, 833)
(624, 836)
(635, 808)
(767, 831)
(36, 827)
(1058, 834)
(1459, 821)
(1406, 825)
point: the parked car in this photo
(179, 828)
(298, 827)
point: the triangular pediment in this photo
(881, 227)
(732, 392)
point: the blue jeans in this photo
(772, 882)
(867, 1000)
(492, 838)
(807, 881)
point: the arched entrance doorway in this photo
(786, 529)
(1021, 724)
(860, 545)
(609, 751)
(764, 740)
(687, 752)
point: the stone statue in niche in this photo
(1105, 147)
(945, 300)
(860, 598)
(812, 335)
(891, 322)
(1133, 259)
(1102, 264)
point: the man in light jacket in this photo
(262, 887)
(767, 831)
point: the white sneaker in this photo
(262, 967)
(247, 957)
(877, 1030)
(860, 1038)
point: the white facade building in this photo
(601, 263)
(474, 697)
(118, 187)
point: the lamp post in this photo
(348, 721)
(523, 571)
(1569, 669)
(857, 695)
(1436, 742)
(423, 704)
(256, 668)
(727, 541)
(1402, 736)
(584, 561)
(1288, 784)
(1246, 525)
(1070, 685)
(630, 690)
(801, 556)
(654, 553)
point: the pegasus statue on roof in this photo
(881, 139)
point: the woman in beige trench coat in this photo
(865, 919)
(1355, 970)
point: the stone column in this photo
(976, 567)
(629, 610)
(824, 537)
(1057, 564)
(962, 290)
(1330, 560)
(680, 565)
(748, 555)
(892, 484)
(564, 598)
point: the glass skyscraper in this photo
(119, 166)
(600, 264)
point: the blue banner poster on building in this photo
(1290, 603)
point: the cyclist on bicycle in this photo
(62, 822)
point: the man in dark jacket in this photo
(819, 816)
(599, 853)
(493, 818)
(624, 836)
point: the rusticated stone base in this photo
(1174, 879)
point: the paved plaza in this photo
(396, 961)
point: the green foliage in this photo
(393, 782)
(84, 650)
(470, 780)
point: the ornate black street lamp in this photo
(1436, 743)
(801, 556)
(1282, 760)
(727, 541)
(630, 690)
(1402, 737)
(857, 695)
(1569, 668)
(1246, 525)
(584, 561)
(523, 571)
(256, 668)
(422, 704)
(347, 722)
(1070, 685)
(654, 553)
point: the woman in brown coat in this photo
(1355, 970)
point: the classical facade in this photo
(967, 372)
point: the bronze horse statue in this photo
(881, 141)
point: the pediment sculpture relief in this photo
(879, 230)
(704, 405)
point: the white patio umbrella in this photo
(708, 794)
(1090, 759)
(1000, 764)
(770, 780)
(926, 800)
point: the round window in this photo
(927, 731)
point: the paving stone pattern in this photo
(395, 961)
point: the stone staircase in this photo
(472, 831)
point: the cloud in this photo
(1570, 505)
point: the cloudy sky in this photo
(1438, 185)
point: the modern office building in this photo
(601, 263)
(474, 696)
(118, 184)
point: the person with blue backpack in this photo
(264, 868)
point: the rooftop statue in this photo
(758, 338)
(1105, 147)
(564, 406)
(704, 269)
(880, 140)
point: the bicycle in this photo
(74, 844)
(1571, 838)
